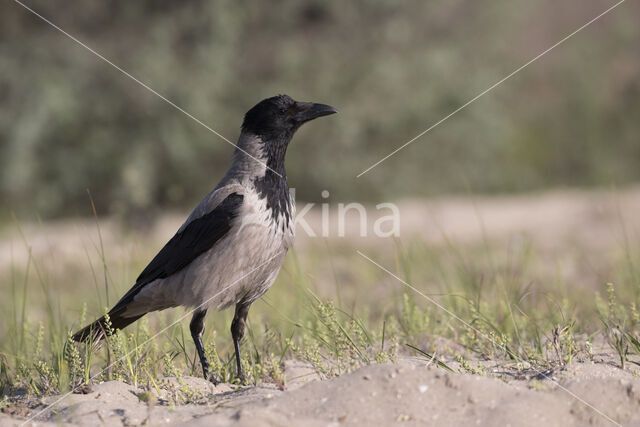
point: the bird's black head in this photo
(277, 118)
(274, 121)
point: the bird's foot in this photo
(240, 378)
(208, 375)
(213, 378)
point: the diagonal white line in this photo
(575, 396)
(493, 86)
(144, 85)
(64, 396)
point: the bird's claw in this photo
(214, 379)
(240, 379)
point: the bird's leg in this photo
(237, 332)
(197, 327)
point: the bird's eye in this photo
(282, 111)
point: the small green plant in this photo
(465, 366)
(619, 325)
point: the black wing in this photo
(196, 238)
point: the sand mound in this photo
(410, 392)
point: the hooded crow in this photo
(231, 247)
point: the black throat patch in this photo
(275, 190)
(271, 186)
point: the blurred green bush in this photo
(69, 122)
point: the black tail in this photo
(98, 329)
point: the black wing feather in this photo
(196, 238)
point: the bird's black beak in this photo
(309, 111)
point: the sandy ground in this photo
(409, 392)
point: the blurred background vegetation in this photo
(69, 122)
